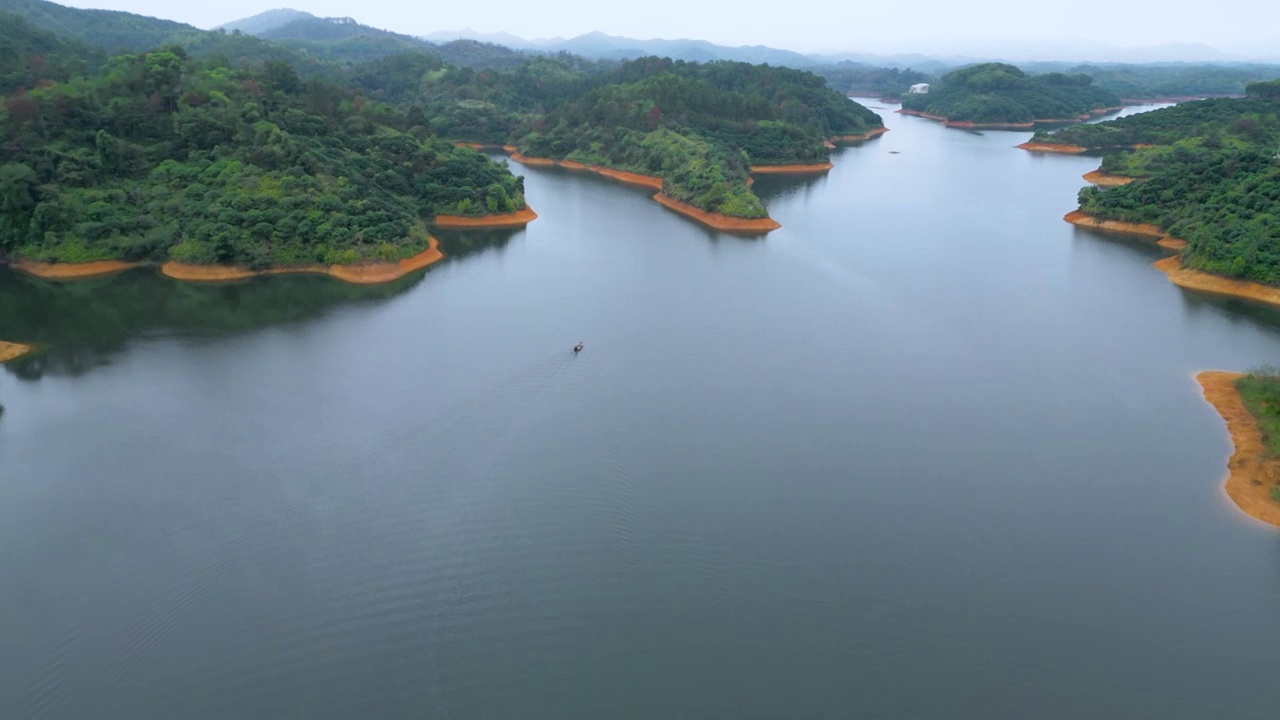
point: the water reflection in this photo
(81, 325)
(463, 243)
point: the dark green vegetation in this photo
(31, 56)
(1210, 176)
(699, 127)
(203, 158)
(1169, 80)
(1260, 390)
(1215, 117)
(995, 93)
(159, 156)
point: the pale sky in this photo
(927, 26)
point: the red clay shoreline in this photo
(1064, 149)
(854, 139)
(717, 221)
(1249, 466)
(370, 273)
(812, 169)
(1029, 125)
(1183, 277)
(73, 271)
(519, 218)
(13, 351)
(1103, 179)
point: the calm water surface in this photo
(927, 451)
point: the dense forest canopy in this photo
(699, 127)
(160, 156)
(224, 147)
(1208, 172)
(996, 93)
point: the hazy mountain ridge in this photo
(266, 21)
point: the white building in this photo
(919, 88)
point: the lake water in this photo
(927, 451)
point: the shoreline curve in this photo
(1084, 219)
(854, 139)
(1061, 149)
(796, 169)
(1028, 125)
(13, 351)
(365, 274)
(1104, 179)
(73, 271)
(1184, 277)
(716, 221)
(1248, 454)
(516, 219)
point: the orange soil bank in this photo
(714, 220)
(73, 271)
(1053, 148)
(12, 351)
(1200, 281)
(1250, 472)
(791, 169)
(1083, 219)
(363, 274)
(519, 218)
(1183, 277)
(872, 133)
(1102, 179)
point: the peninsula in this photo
(1002, 97)
(1247, 404)
(1201, 177)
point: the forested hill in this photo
(997, 94)
(697, 126)
(111, 29)
(161, 156)
(314, 46)
(1202, 118)
(1211, 176)
(30, 55)
(700, 126)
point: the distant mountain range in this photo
(297, 25)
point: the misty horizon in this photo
(993, 29)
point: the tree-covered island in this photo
(996, 95)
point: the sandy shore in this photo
(516, 219)
(1083, 219)
(848, 139)
(1200, 281)
(1030, 125)
(370, 273)
(12, 351)
(716, 220)
(1053, 148)
(814, 169)
(713, 220)
(1250, 472)
(73, 271)
(1102, 179)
